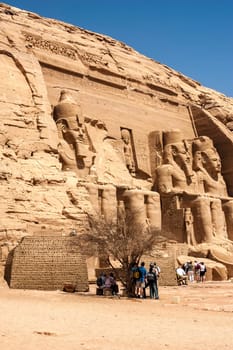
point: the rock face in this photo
(87, 124)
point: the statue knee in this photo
(216, 204)
(202, 203)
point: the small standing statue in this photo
(128, 152)
(188, 221)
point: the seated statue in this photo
(208, 168)
(74, 147)
(177, 176)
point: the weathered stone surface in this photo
(83, 123)
(48, 263)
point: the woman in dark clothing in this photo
(152, 283)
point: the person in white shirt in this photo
(181, 275)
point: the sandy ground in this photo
(199, 316)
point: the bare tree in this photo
(124, 240)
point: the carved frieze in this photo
(92, 59)
(36, 41)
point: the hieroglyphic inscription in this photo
(89, 58)
(47, 263)
(142, 156)
(35, 41)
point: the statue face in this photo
(181, 154)
(197, 160)
(81, 132)
(212, 160)
(125, 136)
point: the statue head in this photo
(207, 155)
(177, 150)
(125, 135)
(68, 109)
(212, 161)
(66, 96)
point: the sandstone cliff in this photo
(116, 88)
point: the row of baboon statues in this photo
(188, 170)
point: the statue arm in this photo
(164, 179)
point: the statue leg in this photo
(202, 219)
(109, 203)
(218, 218)
(153, 210)
(135, 206)
(228, 211)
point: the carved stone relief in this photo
(156, 151)
(36, 41)
(193, 175)
(116, 169)
(128, 150)
(74, 146)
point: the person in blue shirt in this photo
(142, 280)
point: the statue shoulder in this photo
(165, 169)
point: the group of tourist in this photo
(108, 281)
(141, 279)
(191, 271)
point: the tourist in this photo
(181, 276)
(157, 270)
(202, 272)
(142, 280)
(114, 285)
(185, 267)
(197, 268)
(190, 271)
(135, 280)
(151, 278)
(101, 280)
(110, 283)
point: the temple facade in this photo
(89, 125)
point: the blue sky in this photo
(195, 37)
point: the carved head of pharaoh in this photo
(67, 109)
(207, 155)
(182, 157)
(211, 161)
(176, 150)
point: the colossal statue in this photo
(208, 168)
(74, 147)
(182, 175)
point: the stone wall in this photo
(47, 263)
